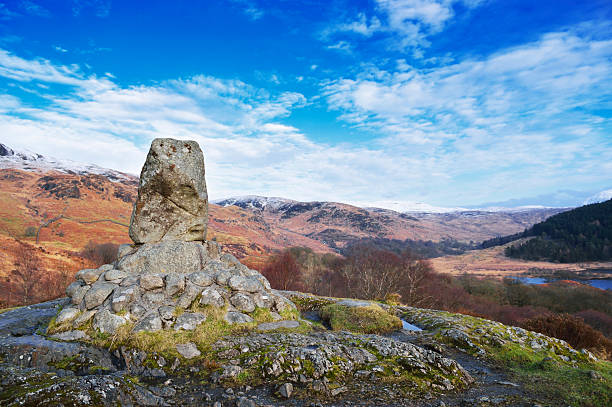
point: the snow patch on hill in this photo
(255, 202)
(600, 197)
(29, 161)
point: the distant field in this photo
(491, 262)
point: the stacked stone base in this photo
(154, 285)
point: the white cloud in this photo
(456, 135)
(520, 111)
(342, 46)
(409, 22)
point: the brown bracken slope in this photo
(64, 211)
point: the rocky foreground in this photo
(301, 362)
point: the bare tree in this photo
(284, 273)
(26, 276)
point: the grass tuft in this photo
(371, 319)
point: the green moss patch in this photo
(370, 320)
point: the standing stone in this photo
(172, 200)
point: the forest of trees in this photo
(582, 234)
(424, 248)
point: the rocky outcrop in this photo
(170, 268)
(172, 200)
(146, 288)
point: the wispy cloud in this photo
(250, 9)
(34, 9)
(6, 13)
(408, 22)
(99, 8)
(457, 134)
(526, 109)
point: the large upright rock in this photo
(172, 201)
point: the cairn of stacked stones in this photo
(170, 266)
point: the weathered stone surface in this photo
(113, 275)
(132, 279)
(125, 249)
(223, 277)
(107, 322)
(67, 315)
(189, 295)
(270, 326)
(201, 278)
(137, 310)
(172, 200)
(122, 296)
(151, 323)
(151, 281)
(233, 317)
(73, 287)
(165, 257)
(154, 297)
(210, 296)
(83, 318)
(249, 284)
(213, 249)
(70, 336)
(89, 276)
(263, 300)
(188, 350)
(97, 294)
(167, 312)
(243, 302)
(79, 294)
(286, 390)
(189, 321)
(282, 304)
(175, 283)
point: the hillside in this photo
(582, 234)
(59, 206)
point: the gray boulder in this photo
(233, 317)
(70, 336)
(107, 322)
(210, 296)
(114, 275)
(167, 312)
(89, 276)
(189, 295)
(97, 294)
(172, 200)
(223, 276)
(79, 294)
(188, 350)
(249, 284)
(83, 318)
(175, 283)
(150, 323)
(151, 281)
(122, 296)
(189, 321)
(124, 250)
(201, 278)
(165, 257)
(242, 302)
(73, 287)
(67, 315)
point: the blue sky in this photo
(383, 102)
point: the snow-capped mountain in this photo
(29, 161)
(255, 202)
(600, 197)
